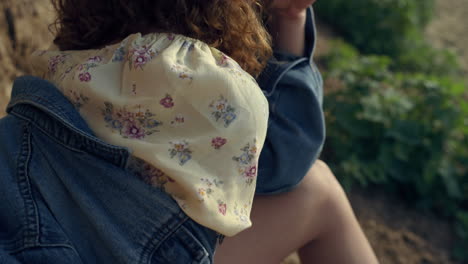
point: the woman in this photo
(81, 207)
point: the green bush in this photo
(389, 27)
(377, 26)
(407, 132)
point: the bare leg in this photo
(315, 218)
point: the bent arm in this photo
(296, 129)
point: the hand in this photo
(290, 8)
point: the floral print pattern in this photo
(218, 142)
(119, 54)
(148, 173)
(78, 99)
(167, 101)
(134, 88)
(85, 76)
(223, 60)
(247, 163)
(127, 91)
(55, 61)
(180, 149)
(242, 212)
(66, 72)
(139, 56)
(83, 69)
(182, 71)
(178, 120)
(209, 187)
(134, 125)
(222, 207)
(222, 110)
(233, 68)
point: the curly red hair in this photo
(233, 26)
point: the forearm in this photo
(288, 32)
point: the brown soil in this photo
(398, 233)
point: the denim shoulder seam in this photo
(24, 248)
(45, 109)
(39, 102)
(31, 232)
(67, 124)
(45, 132)
(88, 140)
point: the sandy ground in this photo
(23, 29)
(449, 29)
(398, 234)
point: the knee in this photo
(322, 196)
(322, 183)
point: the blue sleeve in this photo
(296, 129)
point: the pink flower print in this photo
(95, 59)
(170, 37)
(140, 56)
(251, 172)
(223, 61)
(167, 101)
(222, 208)
(141, 60)
(218, 142)
(129, 124)
(54, 61)
(247, 163)
(85, 77)
(133, 131)
(52, 67)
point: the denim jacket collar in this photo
(56, 114)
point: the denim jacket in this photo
(67, 197)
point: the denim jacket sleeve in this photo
(296, 130)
